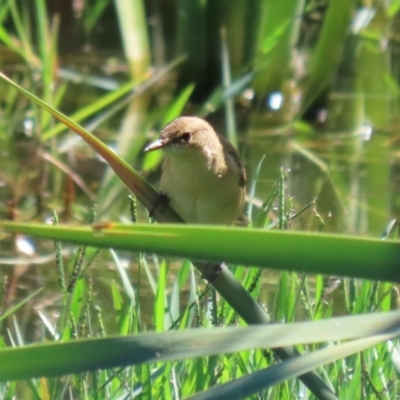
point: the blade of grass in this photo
(337, 254)
(143, 191)
(53, 359)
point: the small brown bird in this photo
(202, 175)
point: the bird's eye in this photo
(185, 137)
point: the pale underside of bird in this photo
(202, 175)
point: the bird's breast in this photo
(200, 194)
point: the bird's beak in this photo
(158, 144)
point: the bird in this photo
(202, 175)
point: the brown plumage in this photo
(202, 174)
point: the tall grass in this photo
(270, 69)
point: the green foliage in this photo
(92, 335)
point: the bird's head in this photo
(185, 133)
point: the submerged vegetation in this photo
(308, 92)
